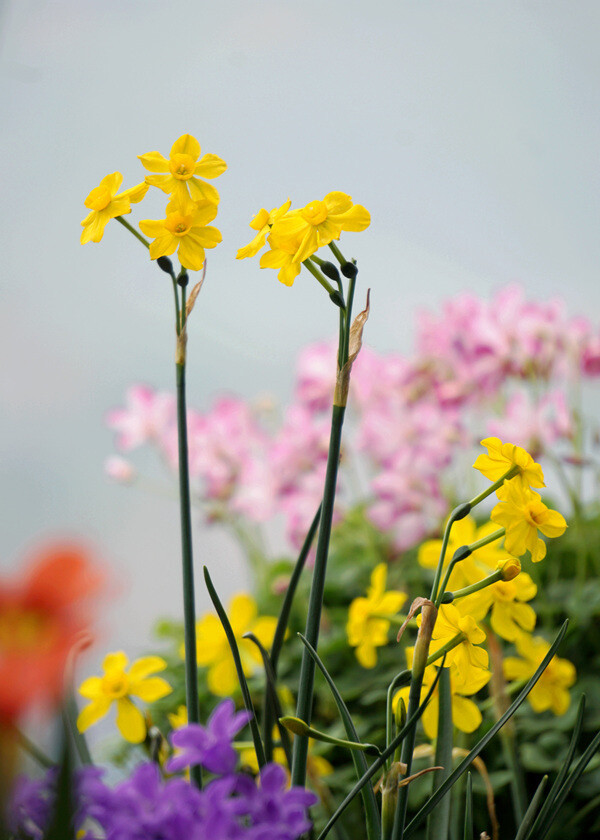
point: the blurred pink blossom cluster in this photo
(500, 367)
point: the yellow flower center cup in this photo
(98, 199)
(182, 166)
(115, 684)
(315, 212)
(178, 224)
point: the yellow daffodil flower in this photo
(471, 569)
(367, 626)
(282, 258)
(185, 230)
(105, 204)
(117, 685)
(179, 718)
(551, 690)
(502, 456)
(510, 615)
(465, 713)
(522, 513)
(262, 222)
(467, 657)
(180, 171)
(213, 649)
(318, 223)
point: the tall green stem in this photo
(189, 609)
(420, 654)
(313, 619)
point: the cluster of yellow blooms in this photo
(503, 603)
(193, 203)
(293, 236)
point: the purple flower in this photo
(210, 745)
(277, 813)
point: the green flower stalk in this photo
(350, 344)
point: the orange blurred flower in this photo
(43, 614)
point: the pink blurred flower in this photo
(145, 419)
(535, 426)
(315, 376)
(119, 469)
(409, 503)
(590, 356)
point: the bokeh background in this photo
(469, 130)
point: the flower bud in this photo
(165, 264)
(349, 269)
(330, 270)
(510, 568)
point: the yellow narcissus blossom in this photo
(465, 713)
(467, 658)
(367, 626)
(551, 690)
(117, 685)
(473, 568)
(502, 456)
(213, 649)
(185, 230)
(282, 258)
(318, 223)
(262, 222)
(510, 616)
(179, 718)
(522, 513)
(105, 204)
(180, 171)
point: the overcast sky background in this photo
(469, 130)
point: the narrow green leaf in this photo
(360, 763)
(61, 822)
(562, 774)
(532, 810)
(69, 714)
(271, 695)
(468, 832)
(284, 615)
(400, 680)
(379, 762)
(270, 714)
(258, 745)
(462, 767)
(439, 820)
(566, 788)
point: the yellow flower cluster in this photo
(193, 203)
(118, 685)
(503, 602)
(295, 235)
(214, 653)
(369, 618)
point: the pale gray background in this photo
(469, 129)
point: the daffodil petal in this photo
(154, 162)
(91, 688)
(210, 166)
(92, 713)
(150, 689)
(116, 661)
(130, 721)
(186, 145)
(146, 665)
